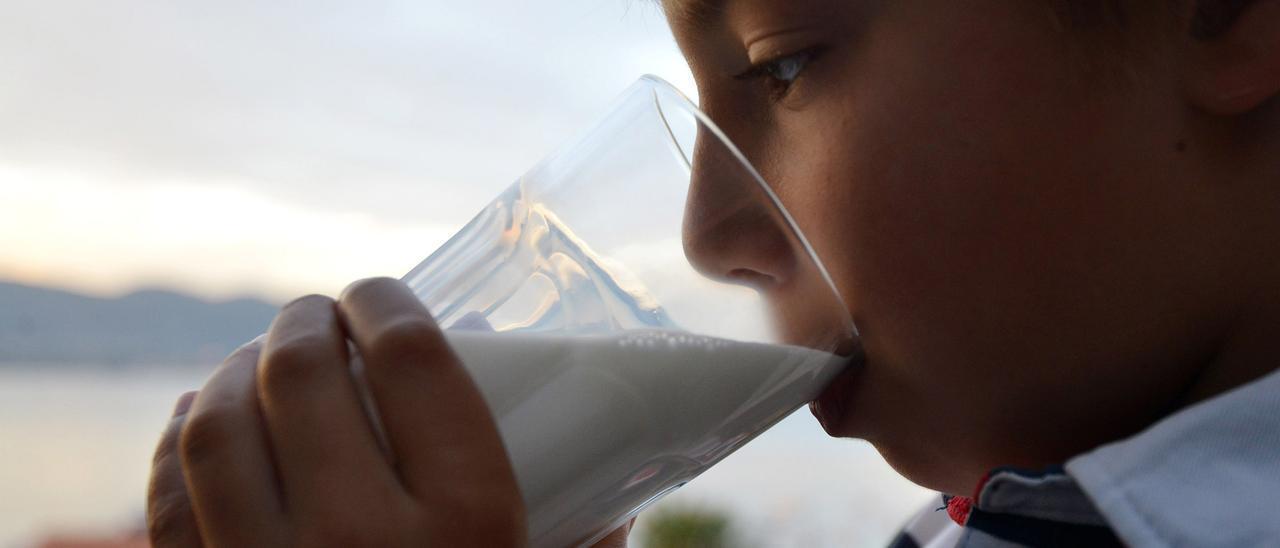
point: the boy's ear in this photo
(1238, 70)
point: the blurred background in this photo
(171, 172)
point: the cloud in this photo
(318, 100)
(216, 240)
(411, 113)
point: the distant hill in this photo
(39, 325)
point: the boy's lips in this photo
(832, 404)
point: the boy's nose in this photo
(732, 232)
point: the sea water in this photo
(597, 426)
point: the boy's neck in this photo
(1250, 350)
(1249, 346)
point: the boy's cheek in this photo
(984, 217)
(933, 208)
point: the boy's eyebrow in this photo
(694, 13)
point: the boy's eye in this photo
(780, 72)
(788, 68)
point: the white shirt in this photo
(1207, 475)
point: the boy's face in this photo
(1006, 209)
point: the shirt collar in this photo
(1208, 475)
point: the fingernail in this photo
(184, 403)
(255, 344)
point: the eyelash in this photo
(771, 71)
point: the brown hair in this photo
(1210, 18)
(1214, 17)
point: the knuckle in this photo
(507, 525)
(384, 517)
(205, 435)
(409, 336)
(479, 513)
(357, 289)
(308, 301)
(250, 351)
(169, 521)
(292, 362)
(168, 446)
(343, 534)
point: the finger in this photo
(226, 460)
(324, 446)
(170, 521)
(436, 421)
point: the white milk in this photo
(597, 426)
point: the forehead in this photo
(692, 16)
(693, 13)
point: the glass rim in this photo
(657, 85)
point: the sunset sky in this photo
(272, 149)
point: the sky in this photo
(272, 149)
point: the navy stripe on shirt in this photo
(1031, 531)
(904, 540)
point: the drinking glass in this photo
(633, 309)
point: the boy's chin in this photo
(832, 407)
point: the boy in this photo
(1055, 223)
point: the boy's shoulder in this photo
(1208, 475)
